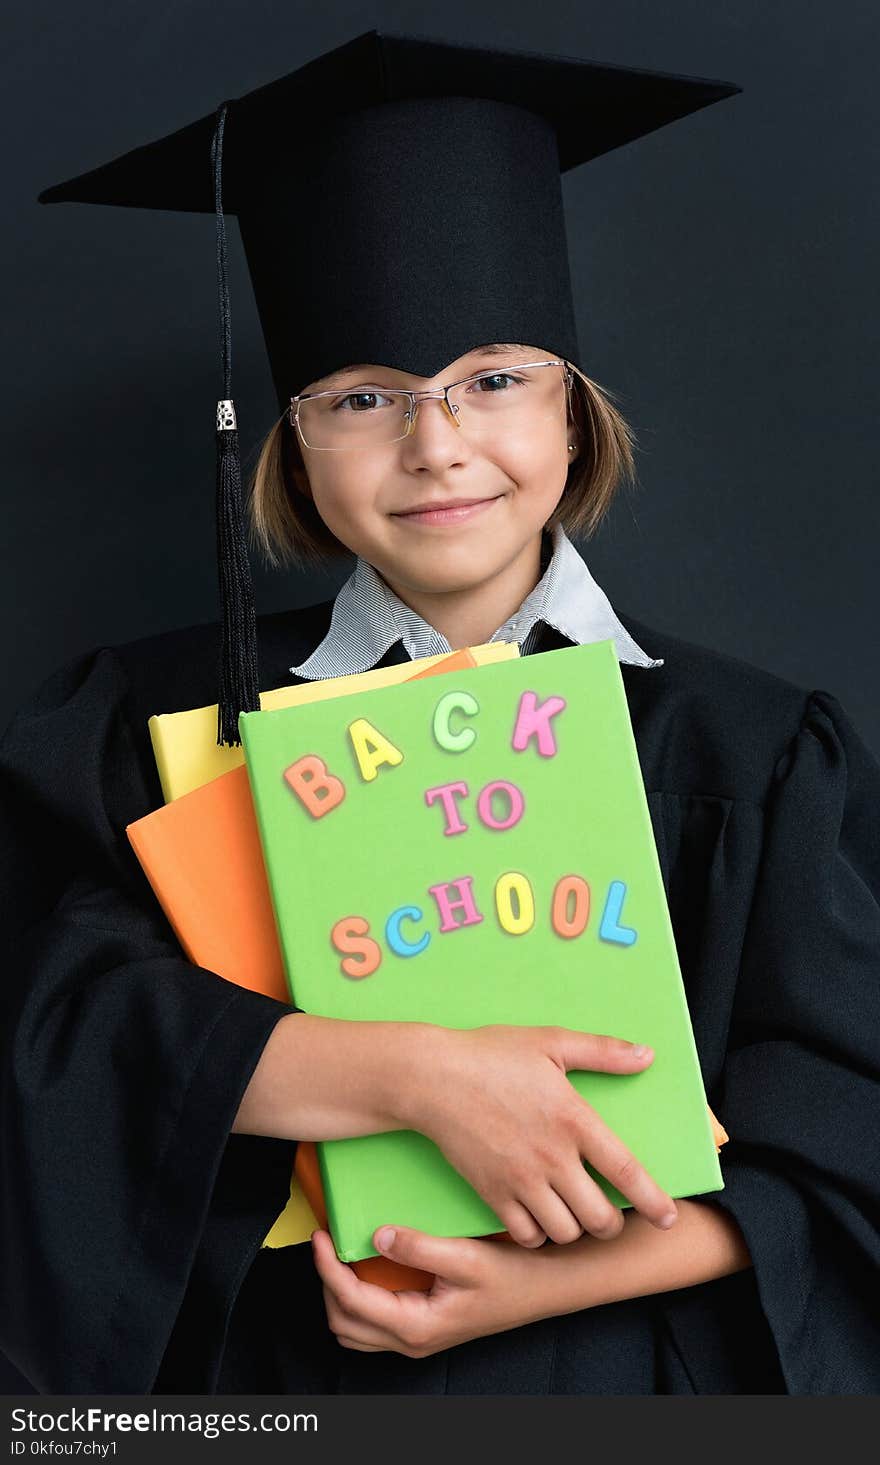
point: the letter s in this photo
(350, 936)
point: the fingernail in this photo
(669, 1220)
(641, 1051)
(385, 1237)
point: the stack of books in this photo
(463, 841)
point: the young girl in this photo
(435, 424)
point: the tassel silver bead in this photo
(226, 416)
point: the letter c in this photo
(399, 944)
(449, 741)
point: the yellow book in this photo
(185, 743)
(187, 757)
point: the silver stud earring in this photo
(571, 447)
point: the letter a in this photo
(371, 749)
(317, 790)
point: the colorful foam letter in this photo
(610, 928)
(449, 741)
(446, 793)
(516, 804)
(571, 888)
(317, 790)
(464, 902)
(533, 721)
(514, 903)
(350, 935)
(399, 944)
(371, 749)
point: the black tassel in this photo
(239, 679)
(239, 674)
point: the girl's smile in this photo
(446, 511)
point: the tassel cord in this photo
(239, 677)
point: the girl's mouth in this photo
(452, 512)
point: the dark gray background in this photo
(724, 273)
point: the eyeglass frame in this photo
(415, 397)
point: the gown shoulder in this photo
(709, 722)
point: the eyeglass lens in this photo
(497, 401)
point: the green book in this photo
(478, 849)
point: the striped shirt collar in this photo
(368, 618)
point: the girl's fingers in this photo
(354, 1329)
(359, 1331)
(610, 1156)
(454, 1258)
(588, 1204)
(354, 1297)
(553, 1215)
(601, 1053)
(520, 1224)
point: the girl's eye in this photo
(361, 402)
(496, 382)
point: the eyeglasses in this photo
(513, 398)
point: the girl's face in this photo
(445, 510)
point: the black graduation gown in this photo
(132, 1219)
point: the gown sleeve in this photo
(800, 1096)
(122, 1065)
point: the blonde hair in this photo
(287, 528)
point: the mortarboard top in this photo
(400, 202)
(463, 153)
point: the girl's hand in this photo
(481, 1286)
(497, 1102)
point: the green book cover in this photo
(478, 849)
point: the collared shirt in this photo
(368, 618)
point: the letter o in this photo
(513, 889)
(571, 925)
(515, 799)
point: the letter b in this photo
(317, 790)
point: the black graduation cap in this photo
(400, 203)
